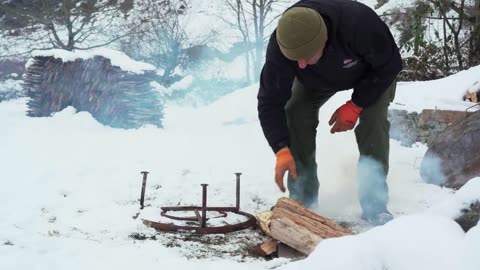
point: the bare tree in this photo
(252, 19)
(70, 24)
(243, 26)
(163, 40)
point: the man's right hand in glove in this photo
(285, 163)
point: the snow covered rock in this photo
(452, 158)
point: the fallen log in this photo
(301, 229)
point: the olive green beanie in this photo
(301, 32)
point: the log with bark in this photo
(294, 225)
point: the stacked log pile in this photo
(296, 231)
(112, 96)
(290, 224)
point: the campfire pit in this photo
(200, 216)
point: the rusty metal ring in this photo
(195, 218)
(168, 227)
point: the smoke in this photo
(431, 170)
(373, 190)
(408, 128)
(402, 126)
(305, 187)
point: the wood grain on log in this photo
(267, 248)
(310, 218)
(292, 224)
(264, 221)
(294, 235)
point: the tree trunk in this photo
(445, 47)
(259, 40)
(474, 57)
(258, 55)
(243, 27)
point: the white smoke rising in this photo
(431, 170)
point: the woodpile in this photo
(112, 96)
(473, 93)
(292, 225)
(296, 231)
(472, 97)
(453, 156)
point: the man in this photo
(321, 47)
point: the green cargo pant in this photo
(372, 135)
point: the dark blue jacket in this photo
(360, 53)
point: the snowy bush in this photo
(10, 89)
(11, 71)
(437, 38)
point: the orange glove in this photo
(345, 117)
(284, 162)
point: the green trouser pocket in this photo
(373, 140)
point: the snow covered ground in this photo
(70, 187)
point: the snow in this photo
(198, 24)
(234, 70)
(70, 186)
(117, 58)
(475, 87)
(11, 85)
(462, 199)
(445, 93)
(409, 242)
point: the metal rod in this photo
(250, 223)
(199, 217)
(204, 206)
(237, 206)
(193, 208)
(144, 184)
(466, 111)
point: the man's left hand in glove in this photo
(345, 117)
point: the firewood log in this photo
(294, 225)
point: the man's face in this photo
(302, 63)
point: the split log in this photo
(284, 251)
(292, 224)
(264, 221)
(268, 248)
